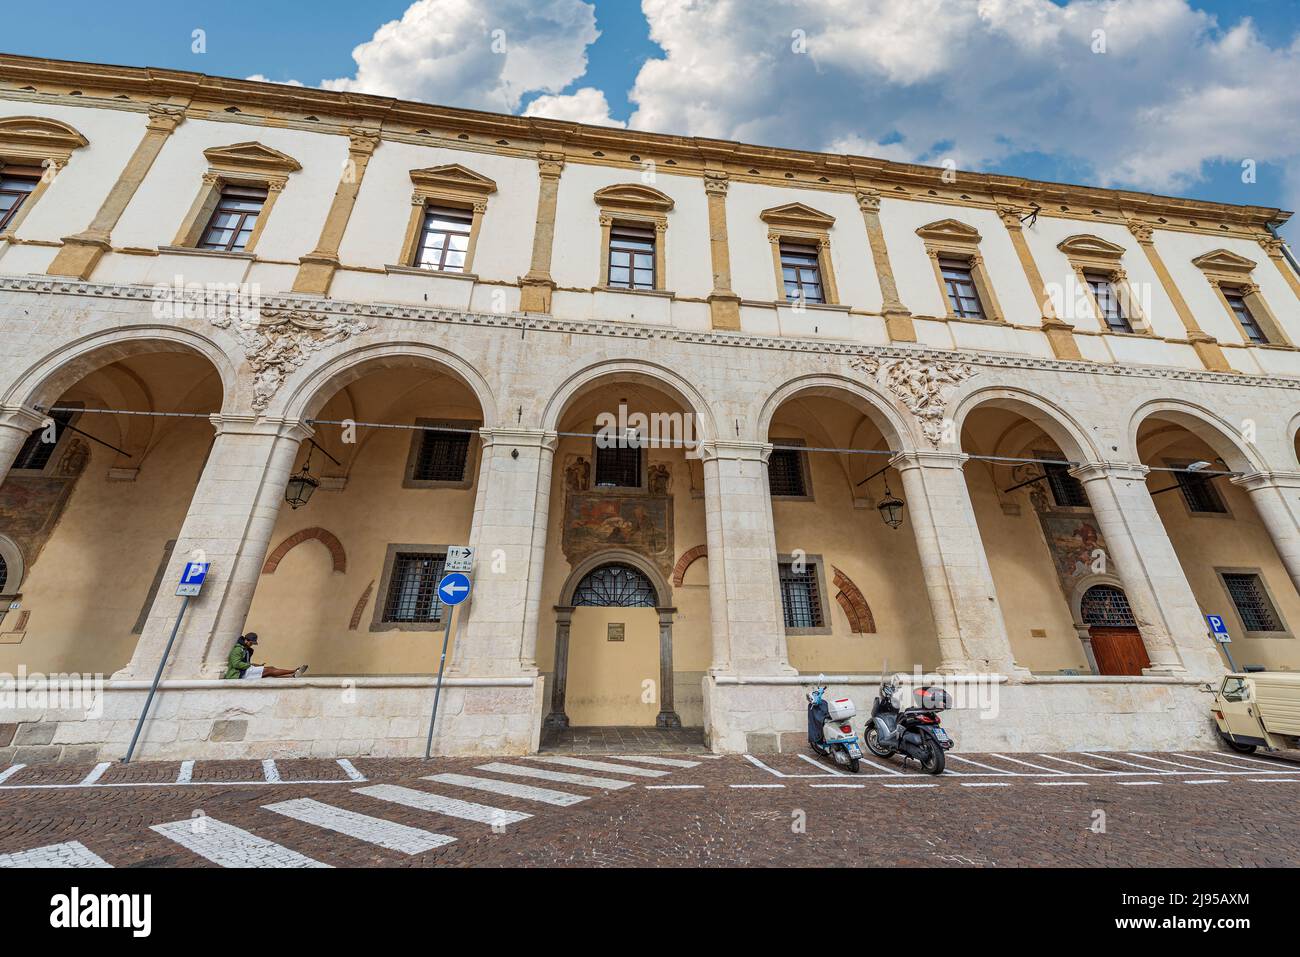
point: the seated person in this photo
(239, 664)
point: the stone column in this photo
(497, 634)
(1206, 346)
(1276, 496)
(667, 717)
(964, 602)
(1141, 554)
(744, 589)
(898, 319)
(81, 252)
(16, 424)
(1060, 334)
(229, 524)
(316, 269)
(557, 719)
(724, 304)
(536, 285)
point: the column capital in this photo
(868, 200)
(165, 117)
(1128, 471)
(1011, 216)
(727, 449)
(716, 181)
(233, 424)
(903, 461)
(20, 417)
(1143, 232)
(1252, 481)
(362, 140)
(528, 438)
(550, 163)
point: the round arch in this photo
(635, 370)
(11, 566)
(48, 378)
(872, 403)
(1070, 437)
(307, 397)
(558, 719)
(1292, 428)
(1212, 429)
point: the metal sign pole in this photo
(1231, 664)
(442, 662)
(153, 689)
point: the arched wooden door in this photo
(1116, 642)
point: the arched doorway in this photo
(1112, 630)
(613, 647)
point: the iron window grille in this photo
(14, 190)
(35, 453)
(616, 586)
(959, 283)
(1252, 602)
(4, 574)
(1107, 606)
(444, 239)
(1112, 313)
(618, 466)
(1237, 303)
(631, 257)
(785, 473)
(801, 596)
(1199, 492)
(1067, 491)
(413, 588)
(234, 219)
(442, 456)
(801, 273)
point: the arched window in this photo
(4, 574)
(616, 586)
(1107, 606)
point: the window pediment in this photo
(950, 231)
(453, 179)
(1086, 246)
(797, 216)
(634, 198)
(251, 159)
(1221, 260)
(38, 138)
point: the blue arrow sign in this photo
(454, 588)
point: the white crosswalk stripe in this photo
(452, 807)
(655, 759)
(230, 846)
(373, 830)
(10, 771)
(511, 788)
(68, 854)
(561, 777)
(602, 766)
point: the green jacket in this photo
(237, 661)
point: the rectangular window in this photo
(959, 283)
(234, 218)
(1199, 492)
(618, 466)
(1066, 489)
(785, 475)
(14, 190)
(1252, 602)
(413, 588)
(801, 273)
(801, 596)
(631, 257)
(1103, 290)
(1237, 303)
(35, 453)
(444, 241)
(442, 456)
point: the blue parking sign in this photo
(1218, 628)
(192, 579)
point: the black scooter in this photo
(913, 732)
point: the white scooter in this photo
(829, 731)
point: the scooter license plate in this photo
(941, 734)
(854, 751)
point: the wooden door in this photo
(1119, 651)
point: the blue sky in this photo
(885, 111)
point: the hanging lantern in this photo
(299, 490)
(890, 508)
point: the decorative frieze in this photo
(923, 386)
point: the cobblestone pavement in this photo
(1080, 808)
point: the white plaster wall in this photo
(383, 208)
(75, 196)
(156, 211)
(752, 275)
(576, 255)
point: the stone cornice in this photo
(311, 306)
(334, 112)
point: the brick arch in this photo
(688, 558)
(322, 535)
(855, 606)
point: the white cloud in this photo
(483, 54)
(586, 105)
(266, 79)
